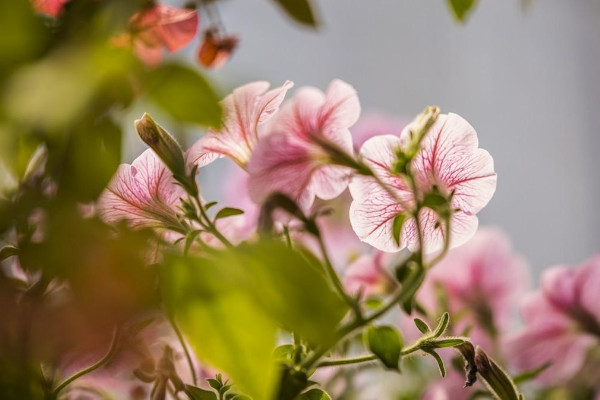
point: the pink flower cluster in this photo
(562, 323)
(305, 150)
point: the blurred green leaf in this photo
(231, 305)
(55, 92)
(386, 343)
(23, 34)
(462, 8)
(185, 94)
(195, 393)
(92, 157)
(301, 11)
(314, 394)
(530, 374)
(228, 212)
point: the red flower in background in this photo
(159, 27)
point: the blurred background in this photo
(526, 78)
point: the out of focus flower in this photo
(451, 387)
(448, 161)
(374, 124)
(159, 27)
(216, 49)
(50, 7)
(245, 111)
(296, 157)
(562, 322)
(368, 274)
(143, 194)
(481, 283)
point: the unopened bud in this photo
(496, 379)
(424, 121)
(164, 145)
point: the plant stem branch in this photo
(96, 365)
(186, 351)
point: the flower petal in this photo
(143, 193)
(245, 109)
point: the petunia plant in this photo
(342, 258)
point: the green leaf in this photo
(449, 342)
(195, 393)
(314, 394)
(301, 11)
(184, 94)
(284, 354)
(228, 212)
(531, 374)
(231, 305)
(422, 325)
(439, 361)
(462, 8)
(397, 227)
(386, 343)
(207, 206)
(442, 325)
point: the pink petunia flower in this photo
(159, 27)
(50, 7)
(293, 158)
(482, 281)
(143, 193)
(449, 159)
(562, 322)
(245, 112)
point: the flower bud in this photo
(495, 378)
(163, 144)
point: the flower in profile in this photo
(448, 163)
(562, 322)
(143, 194)
(158, 27)
(297, 157)
(245, 112)
(50, 7)
(481, 281)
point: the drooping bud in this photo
(468, 352)
(497, 381)
(163, 144)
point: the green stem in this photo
(186, 351)
(111, 351)
(335, 279)
(399, 296)
(347, 361)
(209, 225)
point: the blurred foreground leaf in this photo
(184, 94)
(301, 11)
(462, 8)
(231, 305)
